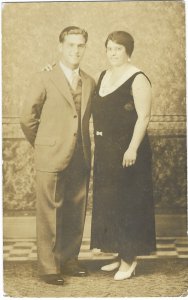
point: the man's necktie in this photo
(75, 80)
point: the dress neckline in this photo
(119, 85)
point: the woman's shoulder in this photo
(130, 73)
(140, 77)
(135, 69)
(99, 75)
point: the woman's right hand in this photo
(48, 67)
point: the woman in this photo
(123, 210)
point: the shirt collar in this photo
(68, 72)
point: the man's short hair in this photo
(73, 30)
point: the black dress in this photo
(123, 209)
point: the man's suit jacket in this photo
(49, 119)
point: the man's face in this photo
(72, 50)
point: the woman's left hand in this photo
(129, 158)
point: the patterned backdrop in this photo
(30, 41)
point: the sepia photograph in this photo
(94, 149)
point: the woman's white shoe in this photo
(121, 275)
(111, 267)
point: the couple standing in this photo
(55, 120)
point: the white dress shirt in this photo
(69, 73)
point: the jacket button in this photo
(75, 134)
(75, 116)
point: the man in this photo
(55, 120)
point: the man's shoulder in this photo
(40, 77)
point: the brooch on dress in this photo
(129, 106)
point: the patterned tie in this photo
(75, 79)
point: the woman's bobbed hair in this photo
(123, 38)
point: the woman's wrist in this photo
(132, 148)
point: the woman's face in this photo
(116, 54)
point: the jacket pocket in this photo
(45, 141)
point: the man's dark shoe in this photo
(74, 269)
(55, 279)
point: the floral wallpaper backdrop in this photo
(30, 40)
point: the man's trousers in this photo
(61, 209)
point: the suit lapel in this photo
(86, 89)
(60, 81)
